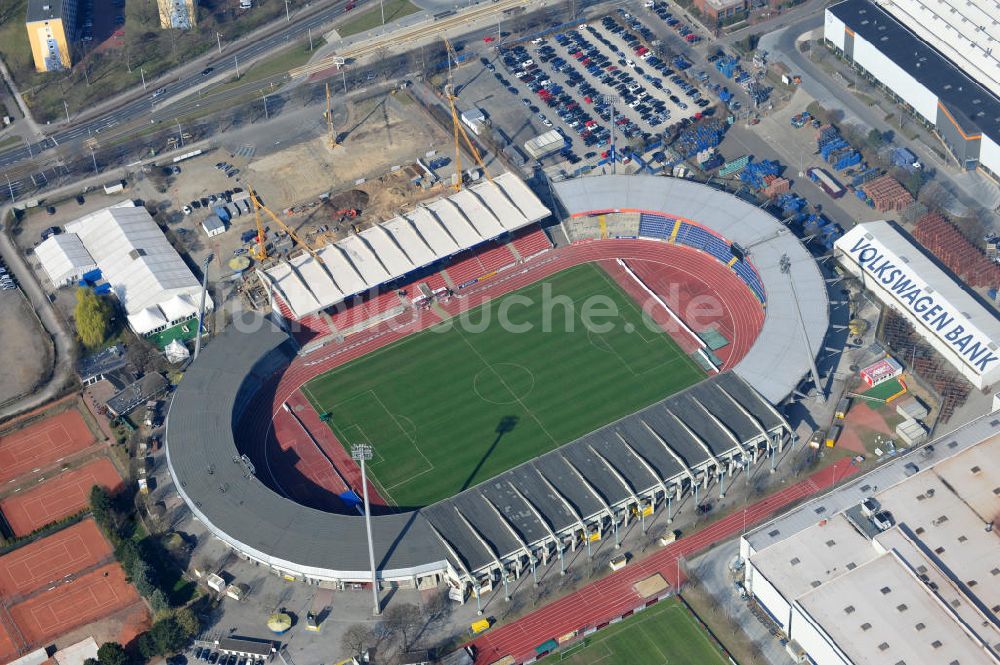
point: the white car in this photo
(187, 210)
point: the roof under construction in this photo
(412, 240)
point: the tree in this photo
(405, 619)
(167, 636)
(93, 316)
(188, 622)
(158, 600)
(875, 139)
(112, 653)
(356, 639)
(100, 505)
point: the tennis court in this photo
(44, 561)
(58, 497)
(42, 443)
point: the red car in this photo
(489, 39)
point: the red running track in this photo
(614, 595)
(261, 415)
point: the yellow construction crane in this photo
(457, 127)
(258, 206)
(259, 250)
(329, 118)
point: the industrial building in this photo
(897, 272)
(155, 288)
(178, 14)
(964, 31)
(897, 566)
(51, 26)
(953, 98)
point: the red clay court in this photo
(74, 603)
(8, 648)
(59, 497)
(43, 443)
(50, 559)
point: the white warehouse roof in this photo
(387, 251)
(64, 258)
(964, 31)
(932, 299)
(149, 277)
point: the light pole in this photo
(362, 452)
(180, 134)
(612, 100)
(94, 157)
(381, 6)
(201, 308)
(218, 39)
(66, 106)
(143, 75)
(236, 59)
(288, 16)
(267, 116)
(10, 187)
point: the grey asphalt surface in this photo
(832, 95)
(222, 66)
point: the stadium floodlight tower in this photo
(362, 452)
(785, 265)
(611, 100)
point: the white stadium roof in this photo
(152, 282)
(767, 240)
(64, 258)
(387, 251)
(931, 298)
(964, 31)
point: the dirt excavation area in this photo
(379, 134)
(24, 346)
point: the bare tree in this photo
(404, 619)
(356, 638)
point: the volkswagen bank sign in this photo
(898, 279)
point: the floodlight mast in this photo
(362, 452)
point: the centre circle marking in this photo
(510, 380)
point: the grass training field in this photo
(452, 406)
(664, 634)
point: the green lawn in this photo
(452, 406)
(664, 634)
(372, 18)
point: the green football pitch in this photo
(455, 405)
(664, 634)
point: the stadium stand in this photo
(655, 226)
(465, 270)
(357, 313)
(435, 281)
(752, 279)
(533, 243)
(496, 258)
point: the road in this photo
(970, 189)
(222, 66)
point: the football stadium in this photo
(521, 398)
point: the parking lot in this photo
(611, 73)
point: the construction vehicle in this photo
(345, 214)
(259, 249)
(457, 127)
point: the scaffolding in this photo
(921, 359)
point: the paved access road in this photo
(222, 65)
(614, 595)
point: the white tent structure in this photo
(155, 287)
(64, 259)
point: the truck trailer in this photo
(826, 182)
